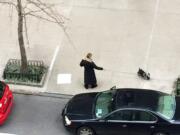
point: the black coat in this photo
(89, 74)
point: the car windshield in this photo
(166, 106)
(104, 103)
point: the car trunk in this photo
(177, 112)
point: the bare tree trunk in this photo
(21, 39)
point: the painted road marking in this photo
(51, 66)
(151, 34)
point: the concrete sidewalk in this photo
(122, 35)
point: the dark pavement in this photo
(35, 115)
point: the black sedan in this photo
(123, 112)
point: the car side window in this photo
(123, 115)
(1, 89)
(142, 116)
(1, 86)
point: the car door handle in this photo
(152, 127)
(124, 126)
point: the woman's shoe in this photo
(93, 86)
(86, 86)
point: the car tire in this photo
(85, 131)
(160, 133)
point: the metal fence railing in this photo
(34, 74)
(177, 90)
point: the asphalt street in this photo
(35, 115)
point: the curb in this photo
(42, 93)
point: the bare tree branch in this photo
(59, 15)
(51, 10)
(35, 11)
(49, 14)
(8, 3)
(27, 3)
(42, 11)
(42, 18)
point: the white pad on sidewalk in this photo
(64, 78)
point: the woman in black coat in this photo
(89, 74)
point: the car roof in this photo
(137, 98)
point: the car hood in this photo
(177, 112)
(81, 106)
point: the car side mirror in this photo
(113, 88)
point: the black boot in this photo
(86, 86)
(94, 85)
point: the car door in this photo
(114, 124)
(143, 123)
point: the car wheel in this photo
(85, 131)
(160, 133)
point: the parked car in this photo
(123, 112)
(6, 102)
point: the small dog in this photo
(143, 74)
